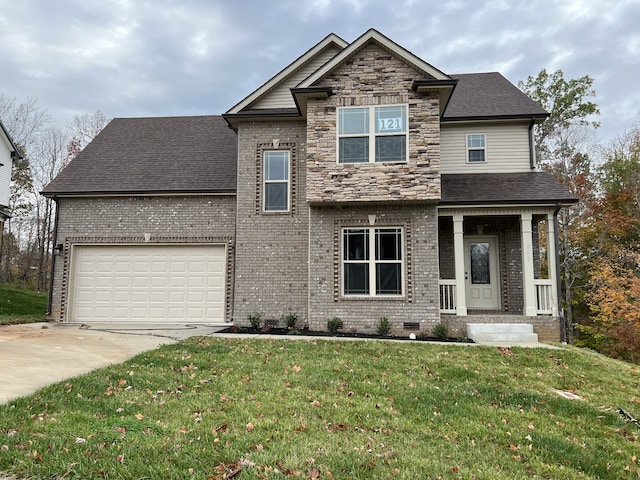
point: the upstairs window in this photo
(276, 181)
(372, 261)
(372, 134)
(476, 148)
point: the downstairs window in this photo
(372, 261)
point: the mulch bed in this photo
(268, 330)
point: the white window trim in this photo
(372, 262)
(265, 182)
(467, 148)
(372, 133)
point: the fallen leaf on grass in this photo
(221, 428)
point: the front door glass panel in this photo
(480, 270)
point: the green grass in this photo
(21, 306)
(207, 408)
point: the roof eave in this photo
(565, 202)
(233, 119)
(15, 152)
(444, 88)
(373, 35)
(331, 39)
(136, 193)
(302, 95)
(536, 117)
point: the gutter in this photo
(563, 324)
(53, 258)
(532, 153)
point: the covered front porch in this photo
(497, 264)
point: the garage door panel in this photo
(150, 283)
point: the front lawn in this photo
(214, 408)
(18, 305)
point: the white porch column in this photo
(458, 248)
(529, 288)
(551, 257)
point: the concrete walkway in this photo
(38, 354)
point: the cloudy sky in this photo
(191, 57)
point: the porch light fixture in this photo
(57, 248)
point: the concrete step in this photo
(501, 332)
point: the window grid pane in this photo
(391, 119)
(391, 149)
(354, 150)
(276, 181)
(372, 134)
(384, 268)
(353, 121)
(356, 279)
(476, 155)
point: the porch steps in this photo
(501, 332)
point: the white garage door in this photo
(148, 283)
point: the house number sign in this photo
(390, 124)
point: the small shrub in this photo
(441, 331)
(254, 320)
(290, 320)
(384, 327)
(334, 324)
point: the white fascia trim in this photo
(387, 43)
(279, 77)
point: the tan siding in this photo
(280, 96)
(507, 148)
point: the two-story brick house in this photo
(359, 182)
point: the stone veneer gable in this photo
(373, 77)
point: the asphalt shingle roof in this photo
(513, 188)
(486, 95)
(154, 155)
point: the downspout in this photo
(53, 258)
(532, 151)
(563, 326)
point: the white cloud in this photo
(200, 57)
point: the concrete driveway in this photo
(38, 354)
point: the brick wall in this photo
(271, 248)
(419, 304)
(140, 220)
(373, 77)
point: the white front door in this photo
(481, 272)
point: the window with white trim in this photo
(372, 134)
(476, 148)
(276, 181)
(372, 261)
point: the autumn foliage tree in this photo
(612, 241)
(614, 299)
(562, 144)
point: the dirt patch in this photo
(14, 332)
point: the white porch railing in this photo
(544, 297)
(447, 296)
